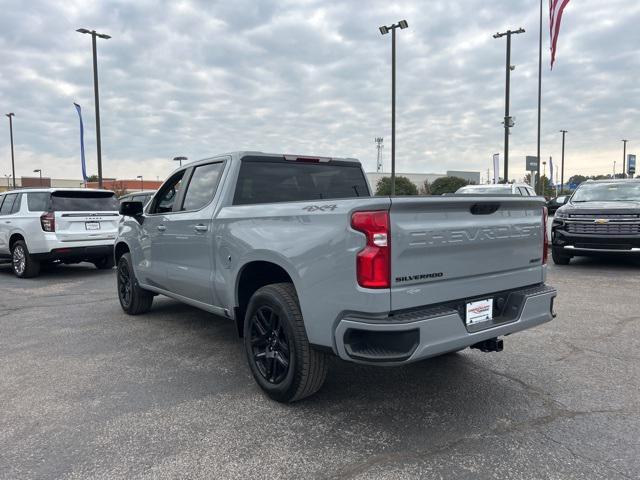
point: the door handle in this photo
(7, 221)
(200, 228)
(162, 228)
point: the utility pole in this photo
(379, 146)
(384, 30)
(508, 121)
(564, 132)
(13, 163)
(624, 158)
(95, 34)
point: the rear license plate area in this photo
(92, 225)
(479, 311)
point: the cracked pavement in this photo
(88, 392)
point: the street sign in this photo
(573, 186)
(531, 164)
(631, 164)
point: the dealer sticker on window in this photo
(479, 311)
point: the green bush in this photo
(404, 186)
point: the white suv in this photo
(70, 225)
(521, 189)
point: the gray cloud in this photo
(197, 78)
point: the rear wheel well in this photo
(254, 276)
(14, 238)
(121, 249)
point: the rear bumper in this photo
(420, 334)
(76, 254)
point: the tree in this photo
(426, 188)
(119, 188)
(404, 186)
(577, 179)
(447, 185)
(92, 178)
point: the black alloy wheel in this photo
(269, 345)
(124, 284)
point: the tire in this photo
(134, 300)
(280, 357)
(24, 265)
(559, 258)
(104, 263)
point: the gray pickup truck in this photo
(307, 263)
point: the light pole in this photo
(544, 166)
(180, 159)
(508, 121)
(564, 132)
(39, 170)
(402, 24)
(95, 34)
(141, 182)
(614, 169)
(624, 157)
(13, 163)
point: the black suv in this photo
(601, 217)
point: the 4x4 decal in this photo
(320, 208)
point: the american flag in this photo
(556, 7)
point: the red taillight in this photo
(48, 222)
(545, 242)
(373, 263)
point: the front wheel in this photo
(559, 258)
(24, 265)
(280, 357)
(133, 299)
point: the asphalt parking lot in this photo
(88, 392)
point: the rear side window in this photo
(202, 186)
(7, 204)
(79, 201)
(17, 204)
(289, 181)
(38, 202)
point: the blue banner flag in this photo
(84, 165)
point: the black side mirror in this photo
(131, 209)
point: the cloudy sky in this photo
(302, 76)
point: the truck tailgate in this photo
(448, 248)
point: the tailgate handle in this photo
(484, 208)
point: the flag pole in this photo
(539, 99)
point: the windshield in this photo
(607, 192)
(479, 189)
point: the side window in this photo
(38, 202)
(167, 195)
(17, 204)
(202, 186)
(523, 191)
(532, 193)
(7, 205)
